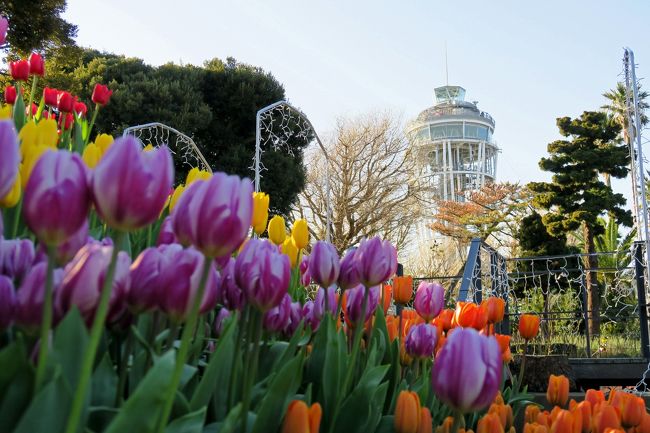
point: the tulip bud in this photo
(403, 289)
(300, 234)
(605, 417)
(65, 101)
(231, 296)
(101, 94)
(80, 109)
(495, 309)
(144, 274)
(166, 234)
(489, 423)
(392, 322)
(260, 212)
(302, 419)
(36, 65)
(349, 271)
(407, 412)
(584, 407)
(4, 25)
(531, 413)
(504, 345)
(421, 341)
(11, 199)
(10, 95)
(16, 257)
(377, 261)
(220, 320)
(594, 397)
(7, 302)
(558, 390)
(324, 264)
(277, 318)
(429, 300)
(30, 297)
(277, 230)
(19, 70)
(308, 315)
(630, 407)
(50, 96)
(528, 326)
(426, 422)
(305, 275)
(10, 156)
(290, 250)
(176, 195)
(470, 315)
(353, 303)
(104, 142)
(564, 423)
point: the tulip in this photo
(531, 413)
(630, 407)
(290, 250)
(444, 319)
(7, 302)
(68, 249)
(594, 397)
(504, 345)
(605, 417)
(91, 155)
(584, 407)
(277, 318)
(470, 315)
(57, 188)
(503, 411)
(467, 371)
(215, 215)
(260, 212)
(144, 274)
(386, 297)
(535, 428)
(392, 322)
(426, 422)
(50, 96)
(305, 275)
(196, 174)
(308, 315)
(403, 289)
(644, 427)
(19, 70)
(528, 326)
(319, 302)
(377, 261)
(495, 309)
(407, 412)
(324, 264)
(277, 230)
(231, 296)
(31, 294)
(180, 276)
(36, 65)
(101, 94)
(489, 423)
(104, 142)
(295, 317)
(16, 257)
(4, 25)
(65, 101)
(263, 273)
(145, 179)
(558, 390)
(300, 234)
(565, 422)
(166, 234)
(349, 270)
(10, 95)
(11, 199)
(220, 320)
(80, 109)
(10, 156)
(176, 195)
(421, 341)
(429, 300)
(353, 303)
(302, 419)
(83, 279)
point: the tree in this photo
(37, 25)
(369, 177)
(576, 197)
(617, 106)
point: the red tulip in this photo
(80, 108)
(36, 65)
(19, 70)
(51, 96)
(10, 95)
(101, 94)
(65, 101)
(69, 121)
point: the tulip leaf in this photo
(281, 389)
(334, 368)
(362, 408)
(141, 411)
(79, 142)
(290, 350)
(16, 383)
(216, 377)
(386, 425)
(190, 423)
(314, 371)
(70, 341)
(104, 383)
(49, 409)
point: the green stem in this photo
(523, 366)
(181, 355)
(31, 96)
(124, 367)
(92, 123)
(339, 306)
(252, 373)
(171, 337)
(16, 219)
(358, 331)
(46, 323)
(93, 343)
(233, 376)
(459, 421)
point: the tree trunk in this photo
(591, 280)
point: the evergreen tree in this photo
(576, 197)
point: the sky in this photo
(525, 62)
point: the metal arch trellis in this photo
(179, 144)
(275, 124)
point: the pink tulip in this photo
(31, 294)
(305, 275)
(4, 25)
(295, 317)
(349, 276)
(7, 302)
(57, 198)
(319, 302)
(377, 261)
(129, 186)
(145, 271)
(467, 371)
(277, 319)
(421, 340)
(230, 294)
(220, 320)
(324, 264)
(166, 234)
(214, 215)
(16, 258)
(354, 302)
(429, 300)
(10, 156)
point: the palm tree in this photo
(617, 106)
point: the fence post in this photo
(639, 271)
(585, 310)
(470, 265)
(476, 279)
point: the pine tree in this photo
(576, 196)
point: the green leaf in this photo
(16, 383)
(361, 409)
(41, 106)
(104, 383)
(70, 341)
(281, 389)
(48, 411)
(216, 377)
(386, 425)
(141, 411)
(78, 140)
(190, 423)
(334, 368)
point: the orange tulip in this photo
(504, 412)
(528, 326)
(445, 319)
(604, 417)
(558, 390)
(470, 315)
(403, 289)
(535, 428)
(490, 423)
(531, 412)
(544, 418)
(407, 412)
(392, 322)
(426, 422)
(496, 308)
(387, 293)
(584, 407)
(614, 430)
(441, 342)
(630, 407)
(504, 345)
(565, 422)
(594, 397)
(404, 357)
(446, 425)
(302, 419)
(644, 427)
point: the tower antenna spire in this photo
(446, 64)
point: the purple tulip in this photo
(263, 273)
(145, 273)
(429, 300)
(467, 371)
(324, 264)
(58, 189)
(31, 294)
(305, 275)
(180, 279)
(83, 279)
(230, 295)
(166, 234)
(16, 258)
(421, 340)
(220, 320)
(9, 150)
(64, 252)
(7, 302)
(295, 317)
(277, 318)
(214, 215)
(354, 302)
(309, 317)
(4, 25)
(319, 302)
(377, 261)
(130, 187)
(349, 276)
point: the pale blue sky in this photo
(525, 62)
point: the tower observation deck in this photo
(453, 147)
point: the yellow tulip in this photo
(300, 234)
(43, 133)
(6, 112)
(196, 174)
(260, 212)
(104, 141)
(31, 155)
(175, 196)
(290, 250)
(277, 230)
(148, 148)
(92, 154)
(12, 197)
